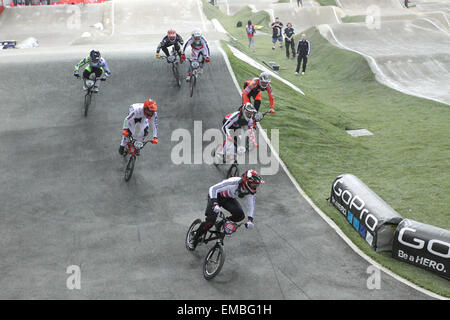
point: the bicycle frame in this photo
(131, 149)
(218, 234)
(90, 87)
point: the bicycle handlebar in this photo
(133, 140)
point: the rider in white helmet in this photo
(253, 88)
(243, 118)
(199, 50)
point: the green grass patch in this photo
(406, 162)
(327, 2)
(353, 19)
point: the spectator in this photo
(277, 28)
(289, 40)
(303, 51)
(406, 3)
(299, 2)
(250, 34)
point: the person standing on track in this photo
(252, 89)
(199, 47)
(303, 51)
(171, 39)
(140, 113)
(224, 195)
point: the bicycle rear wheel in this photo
(87, 102)
(214, 261)
(191, 233)
(130, 168)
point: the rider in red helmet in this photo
(140, 113)
(171, 39)
(224, 195)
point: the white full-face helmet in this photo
(264, 80)
(197, 35)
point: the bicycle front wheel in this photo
(192, 84)
(87, 102)
(176, 74)
(191, 233)
(130, 168)
(214, 261)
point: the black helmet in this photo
(95, 56)
(251, 180)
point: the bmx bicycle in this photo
(195, 72)
(89, 84)
(132, 149)
(215, 258)
(172, 59)
(227, 156)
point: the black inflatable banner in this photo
(422, 245)
(369, 215)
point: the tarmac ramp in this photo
(304, 18)
(363, 4)
(64, 201)
(408, 55)
(58, 25)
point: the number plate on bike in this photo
(229, 227)
(138, 144)
(171, 59)
(195, 64)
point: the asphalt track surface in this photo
(408, 53)
(64, 200)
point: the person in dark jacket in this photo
(289, 40)
(303, 51)
(277, 29)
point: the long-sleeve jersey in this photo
(230, 188)
(253, 87)
(234, 121)
(137, 115)
(165, 42)
(303, 48)
(101, 64)
(197, 47)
